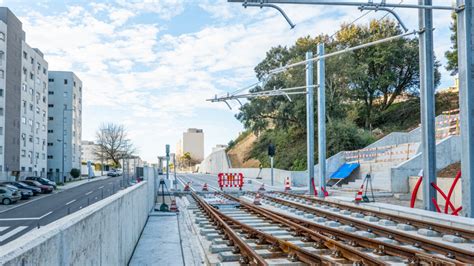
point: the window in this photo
(65, 82)
(2, 36)
(1, 92)
(50, 156)
(24, 87)
(30, 138)
(50, 92)
(32, 76)
(50, 80)
(2, 74)
(74, 83)
(44, 70)
(50, 118)
(50, 131)
(23, 153)
(39, 67)
(1, 111)
(50, 105)
(31, 107)
(1, 130)
(23, 120)
(30, 122)
(32, 60)
(25, 55)
(2, 56)
(50, 144)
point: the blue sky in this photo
(150, 64)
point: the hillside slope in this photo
(239, 152)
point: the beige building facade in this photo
(192, 142)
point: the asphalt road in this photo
(17, 221)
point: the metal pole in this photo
(310, 121)
(271, 170)
(62, 143)
(167, 167)
(428, 138)
(321, 120)
(466, 103)
(174, 170)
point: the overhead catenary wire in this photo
(349, 49)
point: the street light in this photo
(63, 143)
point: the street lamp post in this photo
(63, 143)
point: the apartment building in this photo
(23, 112)
(192, 142)
(64, 123)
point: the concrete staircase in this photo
(393, 158)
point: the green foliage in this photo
(75, 173)
(363, 89)
(452, 55)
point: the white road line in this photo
(70, 202)
(26, 218)
(88, 193)
(3, 228)
(101, 187)
(12, 233)
(41, 217)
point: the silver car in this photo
(9, 196)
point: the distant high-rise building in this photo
(64, 122)
(23, 102)
(192, 142)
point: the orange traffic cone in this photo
(186, 187)
(262, 188)
(287, 184)
(173, 207)
(257, 198)
(358, 197)
(204, 187)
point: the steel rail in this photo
(357, 240)
(349, 252)
(247, 252)
(459, 254)
(447, 229)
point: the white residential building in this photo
(192, 142)
(64, 122)
(23, 102)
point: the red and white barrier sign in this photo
(230, 180)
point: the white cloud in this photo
(157, 83)
(166, 9)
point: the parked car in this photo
(25, 193)
(114, 173)
(43, 181)
(9, 196)
(22, 185)
(44, 188)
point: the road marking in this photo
(3, 228)
(70, 202)
(88, 193)
(12, 233)
(26, 218)
(101, 187)
(41, 217)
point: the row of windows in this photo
(66, 81)
(32, 60)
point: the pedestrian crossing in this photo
(10, 233)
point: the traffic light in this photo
(271, 150)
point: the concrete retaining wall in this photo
(104, 233)
(297, 178)
(448, 151)
(214, 163)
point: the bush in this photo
(75, 173)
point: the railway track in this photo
(264, 238)
(353, 225)
(336, 232)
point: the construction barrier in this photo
(230, 180)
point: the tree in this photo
(380, 74)
(113, 144)
(452, 55)
(75, 173)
